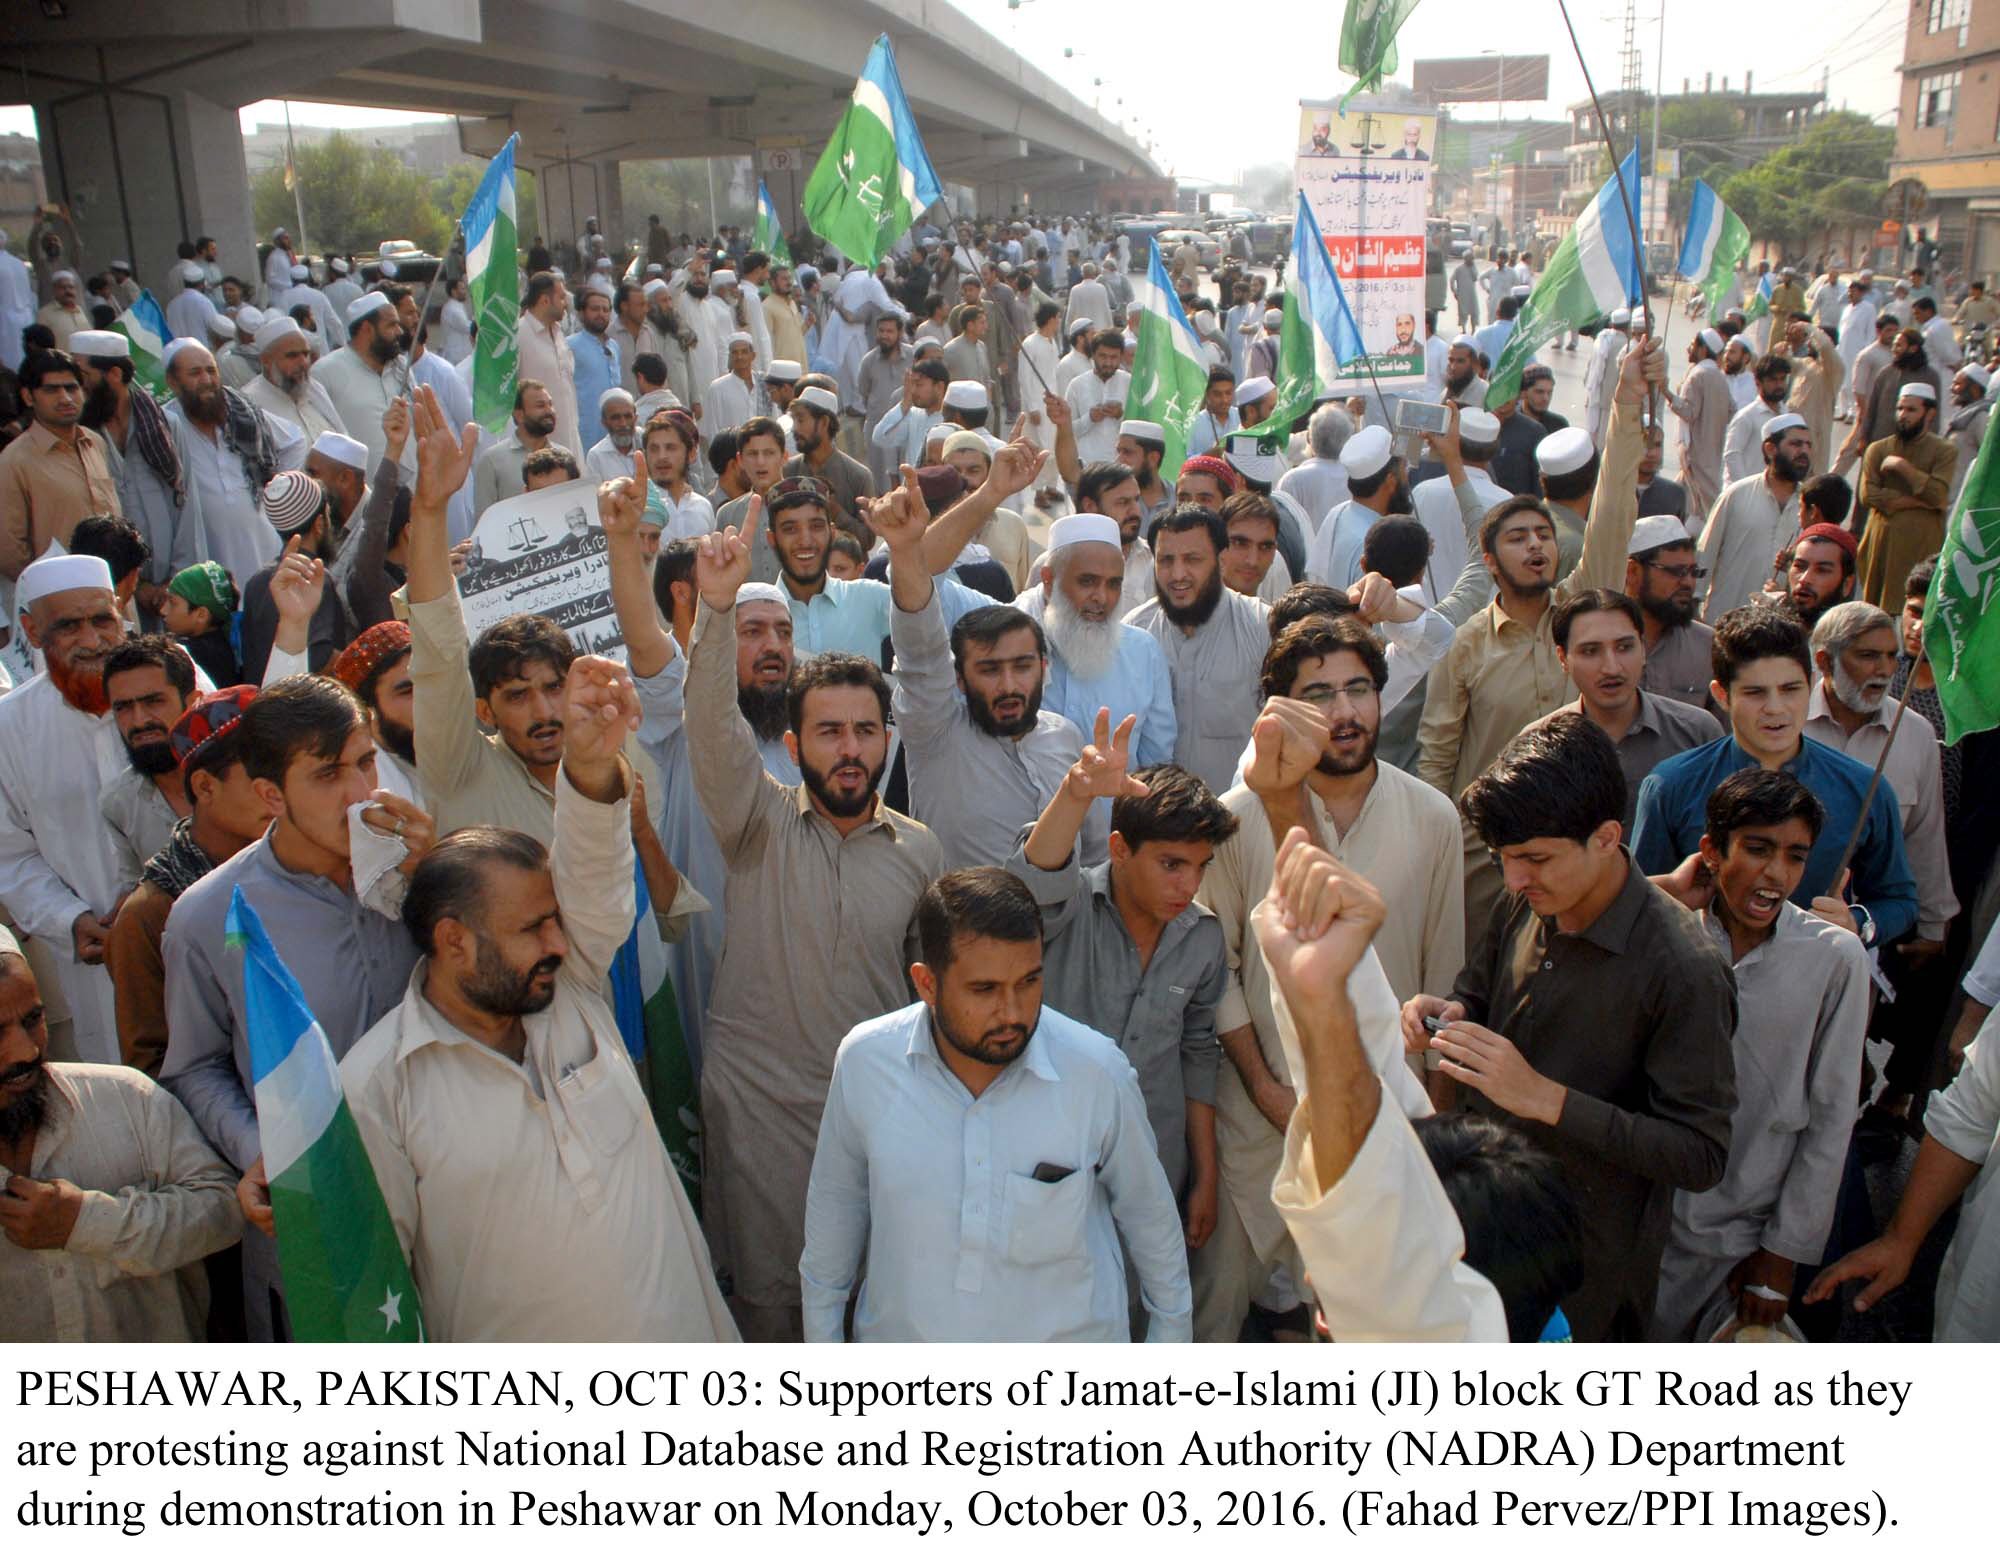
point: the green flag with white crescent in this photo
(1169, 374)
(144, 324)
(1961, 624)
(874, 179)
(1368, 42)
(769, 233)
(493, 288)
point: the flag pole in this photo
(424, 312)
(1618, 174)
(292, 167)
(1868, 795)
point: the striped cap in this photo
(292, 500)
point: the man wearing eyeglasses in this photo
(1661, 574)
(1601, 641)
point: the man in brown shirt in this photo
(55, 473)
(815, 423)
(227, 816)
(1596, 1014)
(1905, 481)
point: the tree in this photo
(1832, 177)
(1703, 130)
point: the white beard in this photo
(1854, 694)
(1087, 649)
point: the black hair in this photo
(650, 366)
(1317, 638)
(675, 566)
(1509, 307)
(1190, 516)
(1398, 547)
(540, 285)
(450, 881)
(152, 649)
(1757, 633)
(756, 259)
(987, 625)
(122, 547)
(43, 365)
(1830, 497)
(1523, 1230)
(983, 901)
(721, 450)
(761, 427)
(848, 545)
(1108, 340)
(550, 457)
(521, 388)
(1500, 513)
(815, 671)
(1045, 312)
(511, 646)
(1919, 580)
(1593, 600)
(1176, 808)
(1571, 484)
(1770, 365)
(1558, 779)
(1368, 486)
(1760, 797)
(1098, 478)
(1305, 599)
(1221, 375)
(309, 715)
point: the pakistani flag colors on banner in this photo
(1716, 243)
(1319, 336)
(1368, 42)
(874, 179)
(1758, 303)
(1961, 626)
(493, 289)
(1595, 269)
(1169, 375)
(345, 1275)
(144, 324)
(769, 234)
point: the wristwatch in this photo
(1864, 923)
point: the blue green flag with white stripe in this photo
(874, 179)
(144, 324)
(344, 1271)
(493, 288)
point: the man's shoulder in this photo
(880, 1038)
(198, 912)
(1683, 719)
(1692, 768)
(1835, 946)
(1428, 804)
(1829, 765)
(1080, 1051)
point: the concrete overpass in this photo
(135, 100)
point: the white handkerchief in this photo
(375, 856)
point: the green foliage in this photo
(357, 196)
(676, 191)
(1833, 176)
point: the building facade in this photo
(1948, 136)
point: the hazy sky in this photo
(1218, 96)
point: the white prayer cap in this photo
(820, 399)
(601, 263)
(221, 326)
(1564, 451)
(1078, 327)
(965, 394)
(99, 343)
(1866, 275)
(1367, 453)
(1242, 451)
(655, 270)
(276, 330)
(656, 285)
(1917, 390)
(598, 286)
(1784, 422)
(723, 278)
(1477, 426)
(1655, 531)
(175, 347)
(1523, 293)
(124, 265)
(1638, 320)
(747, 594)
(1251, 390)
(615, 392)
(1145, 432)
(1075, 529)
(277, 233)
(250, 319)
(337, 265)
(193, 274)
(1201, 315)
(782, 370)
(299, 272)
(1712, 339)
(1971, 370)
(742, 338)
(58, 571)
(1466, 341)
(364, 305)
(966, 439)
(1273, 317)
(342, 450)
(1620, 317)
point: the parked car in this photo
(1207, 245)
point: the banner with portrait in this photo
(543, 552)
(1366, 174)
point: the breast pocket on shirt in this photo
(598, 1107)
(1045, 1222)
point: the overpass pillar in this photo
(569, 191)
(142, 170)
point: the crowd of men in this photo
(1349, 885)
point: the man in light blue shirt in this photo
(595, 356)
(906, 426)
(986, 1155)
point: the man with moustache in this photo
(823, 882)
(358, 378)
(1660, 570)
(1965, 427)
(375, 667)
(1772, 377)
(284, 385)
(910, 1175)
(1704, 406)
(1905, 480)
(611, 456)
(229, 452)
(148, 682)
(59, 874)
(1754, 518)
(1819, 574)
(880, 381)
(815, 424)
(498, 474)
(109, 1197)
(55, 472)
(1658, 495)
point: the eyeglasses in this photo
(1680, 574)
(1355, 691)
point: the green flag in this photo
(145, 326)
(1961, 626)
(345, 1275)
(874, 179)
(493, 288)
(1716, 243)
(1368, 42)
(1168, 374)
(769, 234)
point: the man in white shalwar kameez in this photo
(850, 324)
(1601, 375)
(17, 304)
(1857, 333)
(59, 878)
